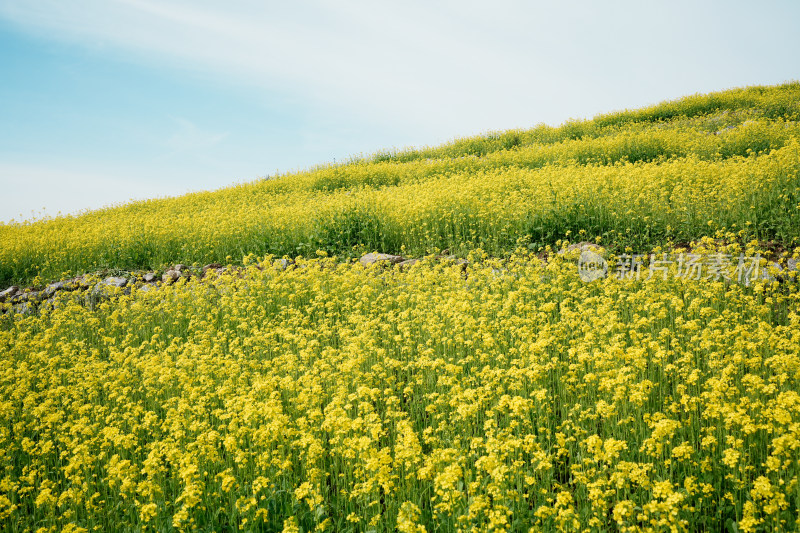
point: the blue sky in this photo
(104, 101)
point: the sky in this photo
(107, 101)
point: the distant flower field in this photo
(487, 390)
(682, 170)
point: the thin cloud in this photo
(435, 69)
(454, 68)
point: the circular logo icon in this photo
(591, 266)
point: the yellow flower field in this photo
(499, 394)
(331, 397)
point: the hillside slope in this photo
(725, 162)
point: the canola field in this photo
(503, 394)
(331, 397)
(677, 171)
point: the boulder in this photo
(81, 282)
(106, 289)
(113, 281)
(211, 272)
(150, 277)
(53, 288)
(9, 293)
(373, 258)
(592, 266)
(211, 266)
(24, 309)
(31, 296)
(408, 263)
(52, 303)
(171, 276)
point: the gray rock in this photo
(113, 281)
(373, 258)
(64, 285)
(9, 293)
(408, 263)
(76, 283)
(171, 276)
(210, 273)
(31, 296)
(211, 266)
(592, 266)
(150, 277)
(106, 289)
(793, 264)
(24, 309)
(55, 287)
(179, 267)
(53, 303)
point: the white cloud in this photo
(447, 69)
(450, 69)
